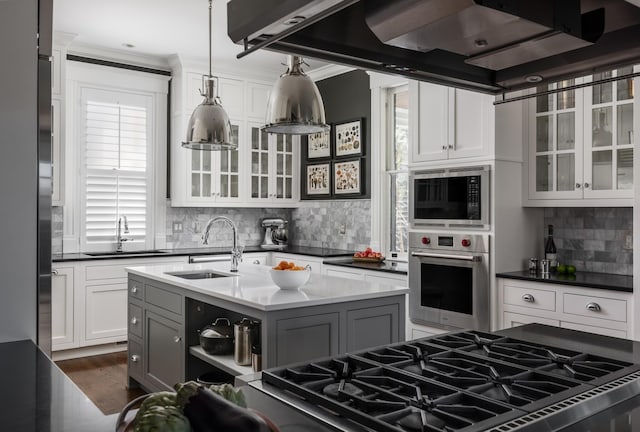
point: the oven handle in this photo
(474, 258)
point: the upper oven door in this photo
(449, 289)
(450, 199)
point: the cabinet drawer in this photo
(595, 307)
(594, 329)
(135, 359)
(530, 297)
(163, 298)
(136, 289)
(344, 274)
(135, 320)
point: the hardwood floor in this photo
(103, 379)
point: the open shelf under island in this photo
(325, 317)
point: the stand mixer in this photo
(275, 235)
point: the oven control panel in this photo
(444, 241)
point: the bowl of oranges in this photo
(289, 276)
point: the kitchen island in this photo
(327, 316)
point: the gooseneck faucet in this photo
(236, 252)
(119, 238)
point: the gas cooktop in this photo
(465, 381)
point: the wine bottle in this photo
(550, 250)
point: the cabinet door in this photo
(105, 313)
(257, 99)
(555, 143)
(369, 327)
(231, 92)
(62, 317)
(308, 337)
(431, 104)
(471, 123)
(227, 185)
(164, 351)
(515, 320)
(260, 157)
(283, 158)
(608, 137)
(594, 329)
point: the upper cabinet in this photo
(581, 142)
(451, 124)
(262, 172)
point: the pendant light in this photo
(295, 106)
(209, 127)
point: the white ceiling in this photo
(161, 28)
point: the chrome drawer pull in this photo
(135, 358)
(134, 320)
(528, 298)
(54, 272)
(594, 307)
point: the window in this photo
(115, 144)
(397, 162)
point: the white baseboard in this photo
(88, 351)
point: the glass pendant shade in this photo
(209, 127)
(295, 106)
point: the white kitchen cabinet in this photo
(330, 270)
(56, 71)
(579, 308)
(105, 313)
(62, 308)
(256, 100)
(315, 264)
(256, 258)
(273, 161)
(450, 123)
(580, 147)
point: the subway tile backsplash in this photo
(593, 239)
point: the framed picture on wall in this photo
(347, 177)
(348, 138)
(319, 145)
(318, 179)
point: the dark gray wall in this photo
(345, 97)
(18, 170)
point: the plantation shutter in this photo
(116, 139)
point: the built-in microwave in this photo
(452, 197)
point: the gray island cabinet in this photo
(327, 316)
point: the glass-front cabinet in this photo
(581, 140)
(215, 175)
(273, 162)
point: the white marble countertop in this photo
(252, 286)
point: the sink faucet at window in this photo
(119, 238)
(236, 252)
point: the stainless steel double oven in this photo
(449, 280)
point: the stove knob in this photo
(426, 240)
(466, 242)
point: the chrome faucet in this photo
(119, 238)
(236, 251)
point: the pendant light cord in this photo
(210, 35)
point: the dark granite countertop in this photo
(38, 397)
(293, 249)
(384, 266)
(605, 281)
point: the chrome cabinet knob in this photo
(528, 298)
(177, 339)
(444, 147)
(134, 320)
(578, 185)
(134, 289)
(135, 358)
(586, 185)
(450, 146)
(54, 272)
(593, 307)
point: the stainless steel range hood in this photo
(485, 45)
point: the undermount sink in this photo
(200, 274)
(140, 252)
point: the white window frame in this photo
(153, 86)
(380, 85)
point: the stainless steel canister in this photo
(533, 265)
(545, 265)
(242, 333)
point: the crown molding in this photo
(121, 56)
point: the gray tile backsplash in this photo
(319, 223)
(593, 239)
(194, 220)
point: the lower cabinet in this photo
(105, 313)
(307, 337)
(62, 308)
(372, 327)
(164, 351)
(579, 308)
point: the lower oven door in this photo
(449, 290)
